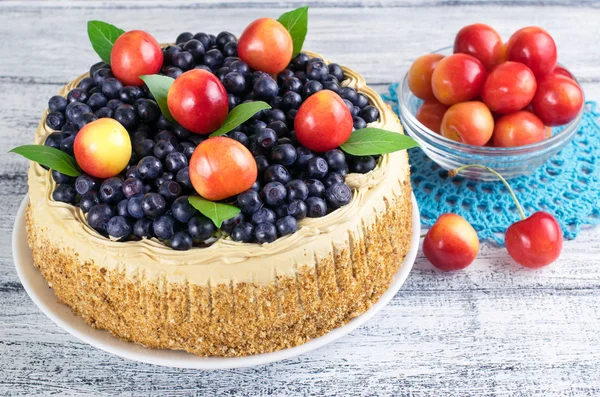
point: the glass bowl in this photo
(448, 154)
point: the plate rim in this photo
(63, 317)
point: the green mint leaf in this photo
(240, 114)
(102, 36)
(50, 157)
(372, 141)
(216, 212)
(159, 87)
(296, 22)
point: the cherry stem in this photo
(423, 235)
(455, 172)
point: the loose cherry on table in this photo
(451, 243)
(535, 241)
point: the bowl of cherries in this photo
(508, 106)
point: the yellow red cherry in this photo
(266, 45)
(134, 54)
(102, 148)
(451, 243)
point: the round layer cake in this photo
(231, 298)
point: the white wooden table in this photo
(494, 328)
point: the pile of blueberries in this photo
(150, 198)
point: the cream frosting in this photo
(227, 260)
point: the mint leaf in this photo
(102, 36)
(159, 87)
(240, 114)
(50, 157)
(372, 141)
(296, 22)
(216, 212)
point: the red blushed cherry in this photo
(481, 41)
(266, 45)
(221, 167)
(557, 100)
(134, 54)
(431, 113)
(198, 101)
(323, 122)
(419, 75)
(534, 241)
(451, 243)
(559, 70)
(457, 78)
(533, 47)
(518, 129)
(509, 87)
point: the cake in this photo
(229, 298)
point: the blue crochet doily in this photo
(567, 186)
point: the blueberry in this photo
(57, 104)
(338, 194)
(196, 48)
(256, 127)
(77, 95)
(196, 139)
(297, 209)
(284, 154)
(264, 214)
(249, 201)
(274, 193)
(176, 160)
(163, 148)
(86, 118)
(283, 75)
(102, 75)
(66, 145)
(300, 61)
(279, 127)
(276, 173)
(291, 84)
(201, 228)
(172, 72)
(69, 128)
(163, 123)
(99, 215)
(181, 241)
(132, 186)
(134, 206)
(183, 60)
(336, 70)
(257, 74)
(330, 83)
(303, 155)
(127, 116)
(296, 190)
(119, 227)
(316, 70)
(65, 193)
(332, 178)
(230, 50)
(203, 38)
(244, 232)
(164, 177)
(62, 178)
(272, 115)
(132, 172)
(233, 100)
(353, 109)
(153, 205)
(257, 186)
(228, 224)
(97, 101)
(213, 58)
(122, 208)
(114, 104)
(87, 83)
(55, 120)
(363, 164)
(143, 228)
(370, 114)
(361, 100)
(182, 210)
(89, 199)
(265, 88)
(286, 225)
(316, 207)
(97, 66)
(315, 187)
(75, 110)
(240, 66)
(317, 167)
(240, 137)
(301, 75)
(336, 160)
(265, 233)
(291, 100)
(311, 87)
(111, 88)
(130, 94)
(166, 135)
(84, 183)
(111, 190)
(358, 123)
(180, 132)
(184, 37)
(261, 163)
(225, 37)
(147, 110)
(164, 227)
(144, 148)
(94, 90)
(170, 190)
(266, 138)
(348, 93)
(185, 148)
(234, 82)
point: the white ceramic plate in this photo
(44, 298)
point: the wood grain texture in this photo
(493, 329)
